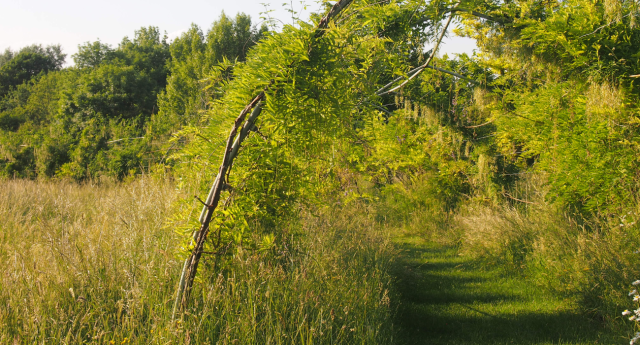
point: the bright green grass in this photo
(451, 299)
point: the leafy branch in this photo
(234, 141)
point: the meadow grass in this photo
(96, 263)
(84, 263)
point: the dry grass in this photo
(95, 264)
(82, 263)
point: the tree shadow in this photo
(443, 302)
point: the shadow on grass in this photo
(448, 299)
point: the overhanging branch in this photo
(421, 68)
(238, 133)
(503, 20)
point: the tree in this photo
(53, 52)
(148, 53)
(6, 56)
(194, 57)
(231, 38)
(111, 91)
(92, 55)
(22, 68)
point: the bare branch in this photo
(453, 74)
(115, 141)
(234, 141)
(431, 56)
(516, 199)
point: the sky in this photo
(73, 22)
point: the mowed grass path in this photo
(452, 299)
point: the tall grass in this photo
(95, 264)
(330, 287)
(84, 263)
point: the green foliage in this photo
(583, 139)
(111, 91)
(21, 69)
(231, 38)
(195, 58)
(148, 54)
(313, 112)
(551, 92)
(62, 123)
(562, 100)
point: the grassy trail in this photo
(450, 299)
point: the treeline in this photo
(114, 110)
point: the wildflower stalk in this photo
(635, 314)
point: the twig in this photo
(167, 153)
(516, 199)
(409, 74)
(202, 202)
(486, 136)
(476, 126)
(453, 74)
(481, 15)
(115, 141)
(379, 108)
(604, 26)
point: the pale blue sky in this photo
(72, 22)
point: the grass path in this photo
(450, 299)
